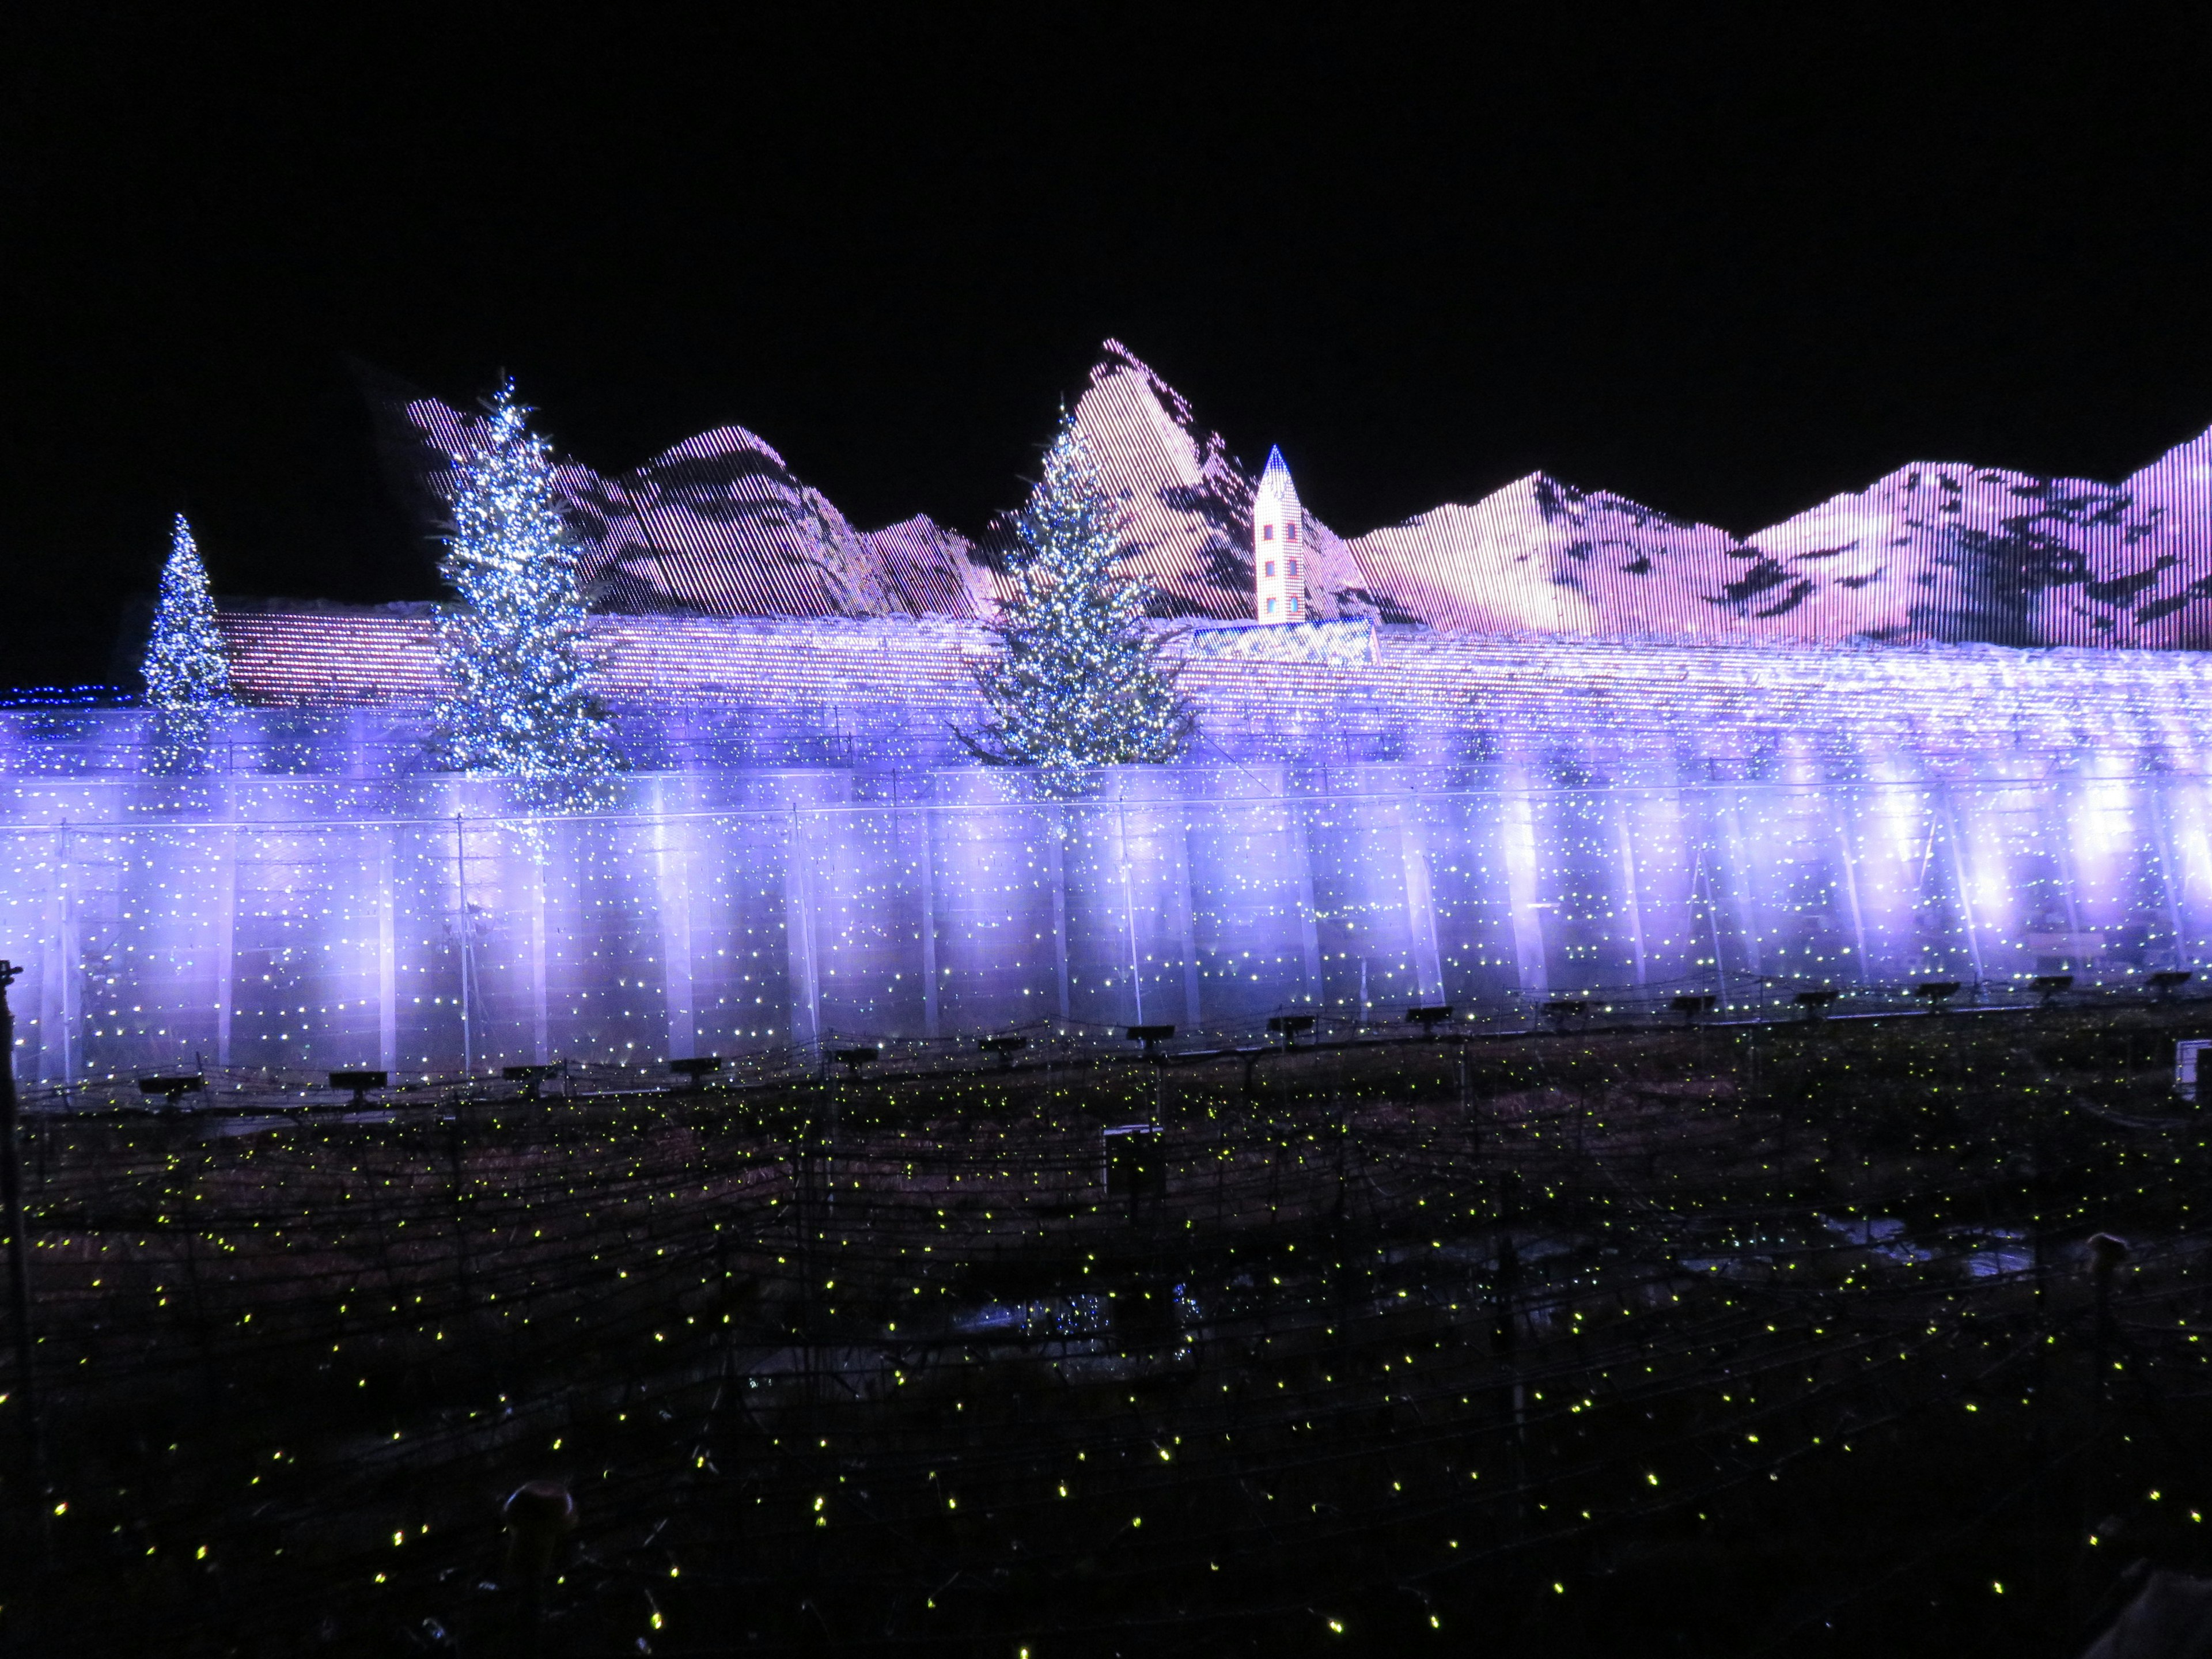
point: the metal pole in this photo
(11, 1193)
(468, 949)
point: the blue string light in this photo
(1080, 684)
(513, 648)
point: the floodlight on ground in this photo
(1006, 1047)
(1151, 1036)
(169, 1088)
(529, 1077)
(361, 1083)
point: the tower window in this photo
(1294, 605)
(1270, 607)
(1267, 532)
(1290, 533)
(1290, 567)
(1270, 569)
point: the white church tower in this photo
(1279, 553)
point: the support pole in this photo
(1056, 830)
(927, 861)
(468, 950)
(388, 958)
(11, 1194)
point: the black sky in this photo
(1726, 269)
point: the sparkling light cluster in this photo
(1388, 1314)
(1080, 684)
(513, 648)
(186, 672)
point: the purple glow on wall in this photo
(1493, 823)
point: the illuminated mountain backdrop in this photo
(719, 525)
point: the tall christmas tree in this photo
(186, 673)
(1079, 683)
(513, 648)
(184, 668)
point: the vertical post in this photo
(2167, 885)
(2063, 842)
(226, 940)
(468, 949)
(19, 1269)
(387, 959)
(1420, 907)
(928, 861)
(1959, 880)
(1188, 892)
(1129, 911)
(1743, 891)
(1056, 827)
(1309, 906)
(53, 1031)
(1848, 865)
(802, 974)
(71, 960)
(65, 969)
(541, 1036)
(1522, 880)
(672, 865)
(1628, 896)
(1704, 872)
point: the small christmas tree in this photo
(1079, 683)
(513, 648)
(187, 674)
(184, 666)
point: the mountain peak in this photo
(1930, 550)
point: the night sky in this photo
(1727, 271)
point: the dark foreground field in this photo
(1699, 1343)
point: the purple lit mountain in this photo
(719, 525)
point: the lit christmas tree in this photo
(513, 648)
(184, 666)
(187, 674)
(1080, 684)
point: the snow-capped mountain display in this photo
(719, 525)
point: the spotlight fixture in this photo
(1151, 1036)
(170, 1088)
(532, 1078)
(361, 1083)
(1006, 1047)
